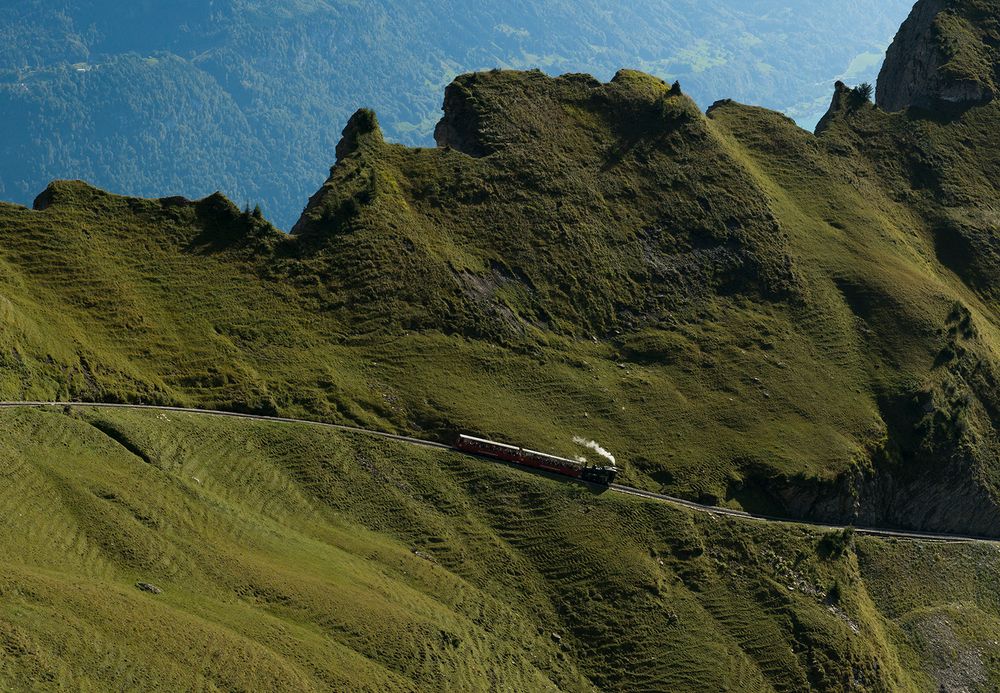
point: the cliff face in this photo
(945, 55)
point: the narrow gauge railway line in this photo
(868, 531)
(617, 488)
(232, 415)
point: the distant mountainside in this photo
(249, 97)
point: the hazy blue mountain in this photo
(184, 97)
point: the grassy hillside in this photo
(291, 558)
(741, 311)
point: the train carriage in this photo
(604, 475)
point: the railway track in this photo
(868, 531)
(616, 488)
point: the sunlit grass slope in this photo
(291, 558)
(741, 311)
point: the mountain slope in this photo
(296, 558)
(743, 312)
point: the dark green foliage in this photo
(836, 544)
(835, 593)
(862, 94)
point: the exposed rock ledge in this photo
(945, 55)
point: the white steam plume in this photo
(595, 446)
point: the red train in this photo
(538, 460)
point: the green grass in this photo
(266, 585)
(298, 558)
(965, 42)
(741, 311)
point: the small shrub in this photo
(834, 594)
(862, 94)
(836, 544)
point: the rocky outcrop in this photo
(947, 500)
(840, 104)
(460, 128)
(362, 124)
(361, 134)
(945, 55)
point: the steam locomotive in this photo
(538, 460)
